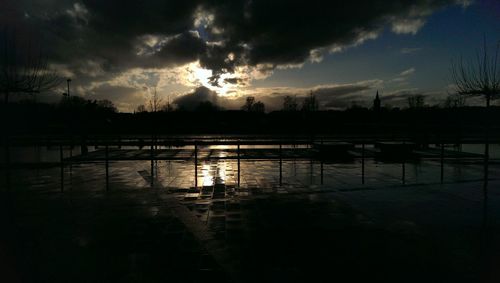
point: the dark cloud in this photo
(179, 49)
(233, 80)
(329, 92)
(343, 96)
(98, 40)
(255, 31)
(192, 100)
(108, 30)
(400, 95)
(115, 93)
(286, 31)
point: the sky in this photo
(223, 51)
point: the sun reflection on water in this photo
(213, 173)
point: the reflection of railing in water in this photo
(238, 153)
(283, 148)
(178, 140)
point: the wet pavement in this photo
(297, 226)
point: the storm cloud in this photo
(98, 40)
(277, 32)
(191, 100)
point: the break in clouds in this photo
(132, 45)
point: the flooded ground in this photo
(288, 220)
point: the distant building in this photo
(376, 103)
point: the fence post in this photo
(442, 162)
(152, 163)
(61, 156)
(238, 164)
(363, 163)
(196, 165)
(106, 156)
(281, 167)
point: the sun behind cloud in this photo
(224, 85)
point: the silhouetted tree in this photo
(416, 101)
(23, 68)
(155, 101)
(77, 104)
(74, 103)
(310, 103)
(167, 107)
(454, 101)
(259, 107)
(479, 78)
(141, 109)
(289, 103)
(107, 105)
(253, 106)
(248, 104)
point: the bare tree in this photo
(479, 78)
(23, 67)
(249, 102)
(310, 103)
(253, 106)
(167, 107)
(455, 100)
(290, 103)
(259, 107)
(141, 109)
(416, 101)
(107, 105)
(155, 101)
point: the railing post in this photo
(403, 173)
(363, 163)
(196, 165)
(281, 166)
(70, 158)
(106, 156)
(238, 150)
(7, 163)
(486, 166)
(442, 162)
(311, 167)
(152, 163)
(321, 160)
(404, 168)
(61, 157)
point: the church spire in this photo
(376, 103)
